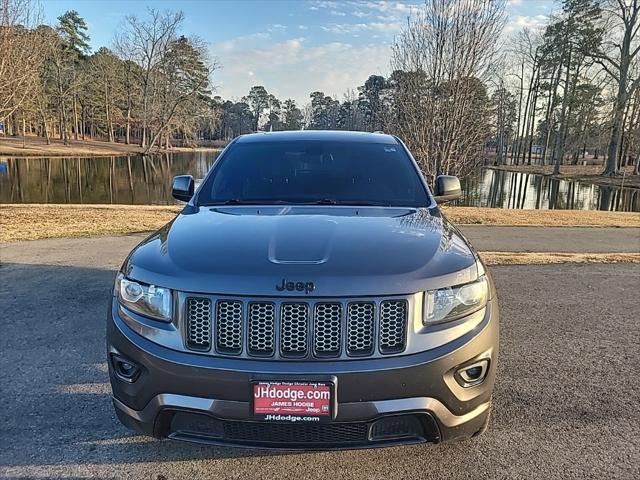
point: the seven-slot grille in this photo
(290, 329)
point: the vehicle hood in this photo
(344, 251)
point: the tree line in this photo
(566, 93)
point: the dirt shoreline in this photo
(39, 221)
(35, 147)
(548, 258)
(579, 173)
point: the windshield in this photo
(314, 172)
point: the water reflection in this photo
(147, 180)
(126, 180)
(503, 189)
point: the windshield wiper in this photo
(354, 203)
(239, 201)
(321, 201)
(325, 201)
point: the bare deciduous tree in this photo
(22, 53)
(147, 42)
(620, 58)
(440, 60)
(184, 79)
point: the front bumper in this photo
(381, 401)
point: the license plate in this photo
(292, 401)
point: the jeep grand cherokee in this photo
(309, 295)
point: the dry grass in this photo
(31, 222)
(545, 258)
(540, 218)
(34, 221)
(37, 147)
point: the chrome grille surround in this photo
(303, 328)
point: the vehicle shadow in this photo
(55, 389)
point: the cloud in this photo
(293, 69)
(533, 22)
(365, 9)
(514, 3)
(393, 7)
(351, 28)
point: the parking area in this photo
(565, 405)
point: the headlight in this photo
(148, 300)
(451, 303)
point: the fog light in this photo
(125, 369)
(473, 374)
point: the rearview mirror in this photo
(447, 188)
(182, 188)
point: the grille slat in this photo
(294, 325)
(297, 433)
(393, 326)
(327, 327)
(199, 323)
(229, 326)
(360, 327)
(277, 327)
(262, 317)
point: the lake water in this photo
(138, 180)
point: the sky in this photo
(291, 47)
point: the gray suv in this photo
(310, 295)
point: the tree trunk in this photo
(75, 117)
(84, 122)
(611, 165)
(525, 128)
(75, 107)
(108, 113)
(63, 126)
(45, 128)
(127, 137)
(555, 80)
(558, 149)
(533, 115)
(145, 92)
(519, 110)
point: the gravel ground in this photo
(565, 405)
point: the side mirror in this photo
(182, 188)
(447, 188)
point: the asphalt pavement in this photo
(565, 404)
